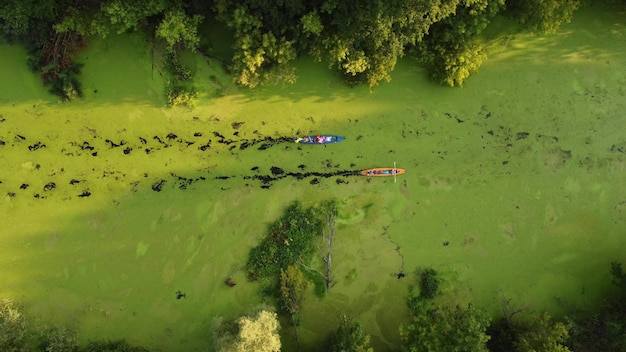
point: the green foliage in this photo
(605, 329)
(350, 337)
(20, 20)
(292, 287)
(503, 336)
(179, 90)
(362, 40)
(543, 15)
(14, 328)
(456, 66)
(19, 334)
(66, 84)
(319, 284)
(312, 23)
(179, 29)
(259, 45)
(444, 329)
(256, 332)
(528, 332)
(540, 333)
(116, 16)
(181, 95)
(287, 241)
(173, 65)
(429, 282)
(351, 275)
(365, 41)
(619, 278)
(50, 54)
(452, 51)
(327, 212)
(58, 339)
(112, 346)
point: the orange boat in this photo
(383, 171)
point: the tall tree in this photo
(328, 214)
(605, 329)
(58, 339)
(543, 15)
(440, 328)
(350, 337)
(24, 21)
(179, 30)
(112, 16)
(364, 39)
(288, 241)
(292, 287)
(255, 333)
(264, 37)
(14, 330)
(540, 333)
(452, 50)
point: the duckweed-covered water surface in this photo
(122, 218)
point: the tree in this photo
(364, 40)
(542, 15)
(14, 330)
(605, 329)
(112, 346)
(179, 29)
(350, 337)
(429, 283)
(619, 278)
(452, 50)
(441, 328)
(329, 215)
(20, 20)
(58, 339)
(503, 332)
(540, 333)
(256, 333)
(288, 241)
(292, 287)
(56, 66)
(263, 38)
(522, 331)
(118, 16)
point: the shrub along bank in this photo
(361, 41)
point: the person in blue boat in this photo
(306, 139)
(319, 139)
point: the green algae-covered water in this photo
(514, 187)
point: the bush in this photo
(181, 95)
(112, 346)
(179, 71)
(14, 330)
(429, 283)
(58, 339)
(66, 84)
(287, 241)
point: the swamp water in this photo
(514, 187)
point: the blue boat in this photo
(321, 139)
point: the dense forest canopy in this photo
(361, 40)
